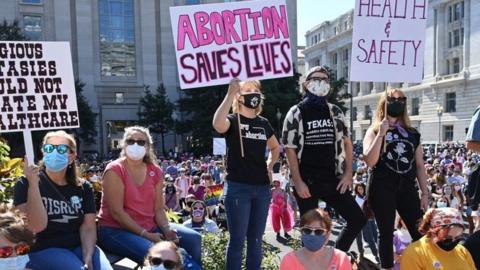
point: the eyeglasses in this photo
(156, 261)
(310, 231)
(61, 148)
(399, 99)
(319, 79)
(138, 142)
(20, 249)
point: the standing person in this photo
(320, 154)
(369, 231)
(171, 194)
(280, 212)
(439, 248)
(132, 216)
(60, 209)
(197, 189)
(183, 184)
(247, 188)
(392, 181)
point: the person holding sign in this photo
(320, 154)
(60, 209)
(247, 187)
(132, 216)
(392, 182)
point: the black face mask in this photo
(252, 100)
(395, 109)
(448, 244)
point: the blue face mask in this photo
(313, 242)
(55, 162)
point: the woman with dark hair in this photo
(439, 248)
(60, 209)
(247, 187)
(369, 231)
(132, 217)
(199, 220)
(392, 184)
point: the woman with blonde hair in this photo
(247, 187)
(132, 214)
(60, 209)
(164, 255)
(392, 181)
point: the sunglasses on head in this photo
(310, 231)
(168, 264)
(399, 99)
(61, 148)
(20, 249)
(319, 79)
(138, 142)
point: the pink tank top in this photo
(138, 201)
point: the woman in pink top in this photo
(132, 215)
(316, 227)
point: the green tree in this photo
(87, 131)
(199, 105)
(337, 85)
(156, 111)
(11, 31)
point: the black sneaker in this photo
(278, 235)
(287, 236)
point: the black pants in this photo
(344, 204)
(388, 192)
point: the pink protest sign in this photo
(388, 40)
(217, 42)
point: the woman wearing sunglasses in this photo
(15, 240)
(60, 209)
(132, 214)
(164, 256)
(199, 221)
(396, 167)
(439, 248)
(315, 226)
(247, 187)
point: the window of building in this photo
(462, 35)
(415, 106)
(449, 40)
(117, 38)
(316, 39)
(32, 1)
(448, 133)
(448, 66)
(335, 31)
(354, 114)
(456, 65)
(317, 62)
(371, 85)
(357, 88)
(345, 71)
(457, 11)
(32, 27)
(345, 55)
(119, 98)
(450, 11)
(194, 2)
(456, 38)
(450, 102)
(367, 112)
(354, 135)
(345, 25)
(334, 58)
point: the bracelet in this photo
(143, 232)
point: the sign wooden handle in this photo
(240, 135)
(27, 141)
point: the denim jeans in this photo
(370, 236)
(247, 211)
(62, 258)
(124, 243)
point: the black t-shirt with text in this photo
(66, 207)
(318, 157)
(252, 168)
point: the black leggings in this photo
(388, 192)
(344, 204)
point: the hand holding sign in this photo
(234, 87)
(31, 171)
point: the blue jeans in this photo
(124, 243)
(370, 235)
(62, 258)
(247, 211)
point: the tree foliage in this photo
(87, 131)
(11, 31)
(336, 86)
(10, 170)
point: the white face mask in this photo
(158, 267)
(94, 178)
(135, 151)
(318, 88)
(14, 263)
(441, 204)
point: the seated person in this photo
(439, 248)
(15, 240)
(199, 220)
(219, 215)
(187, 210)
(164, 255)
(316, 226)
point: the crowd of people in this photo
(411, 203)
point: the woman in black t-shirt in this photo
(247, 188)
(392, 183)
(60, 209)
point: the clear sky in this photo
(313, 12)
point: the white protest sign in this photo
(217, 42)
(388, 40)
(37, 89)
(219, 147)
